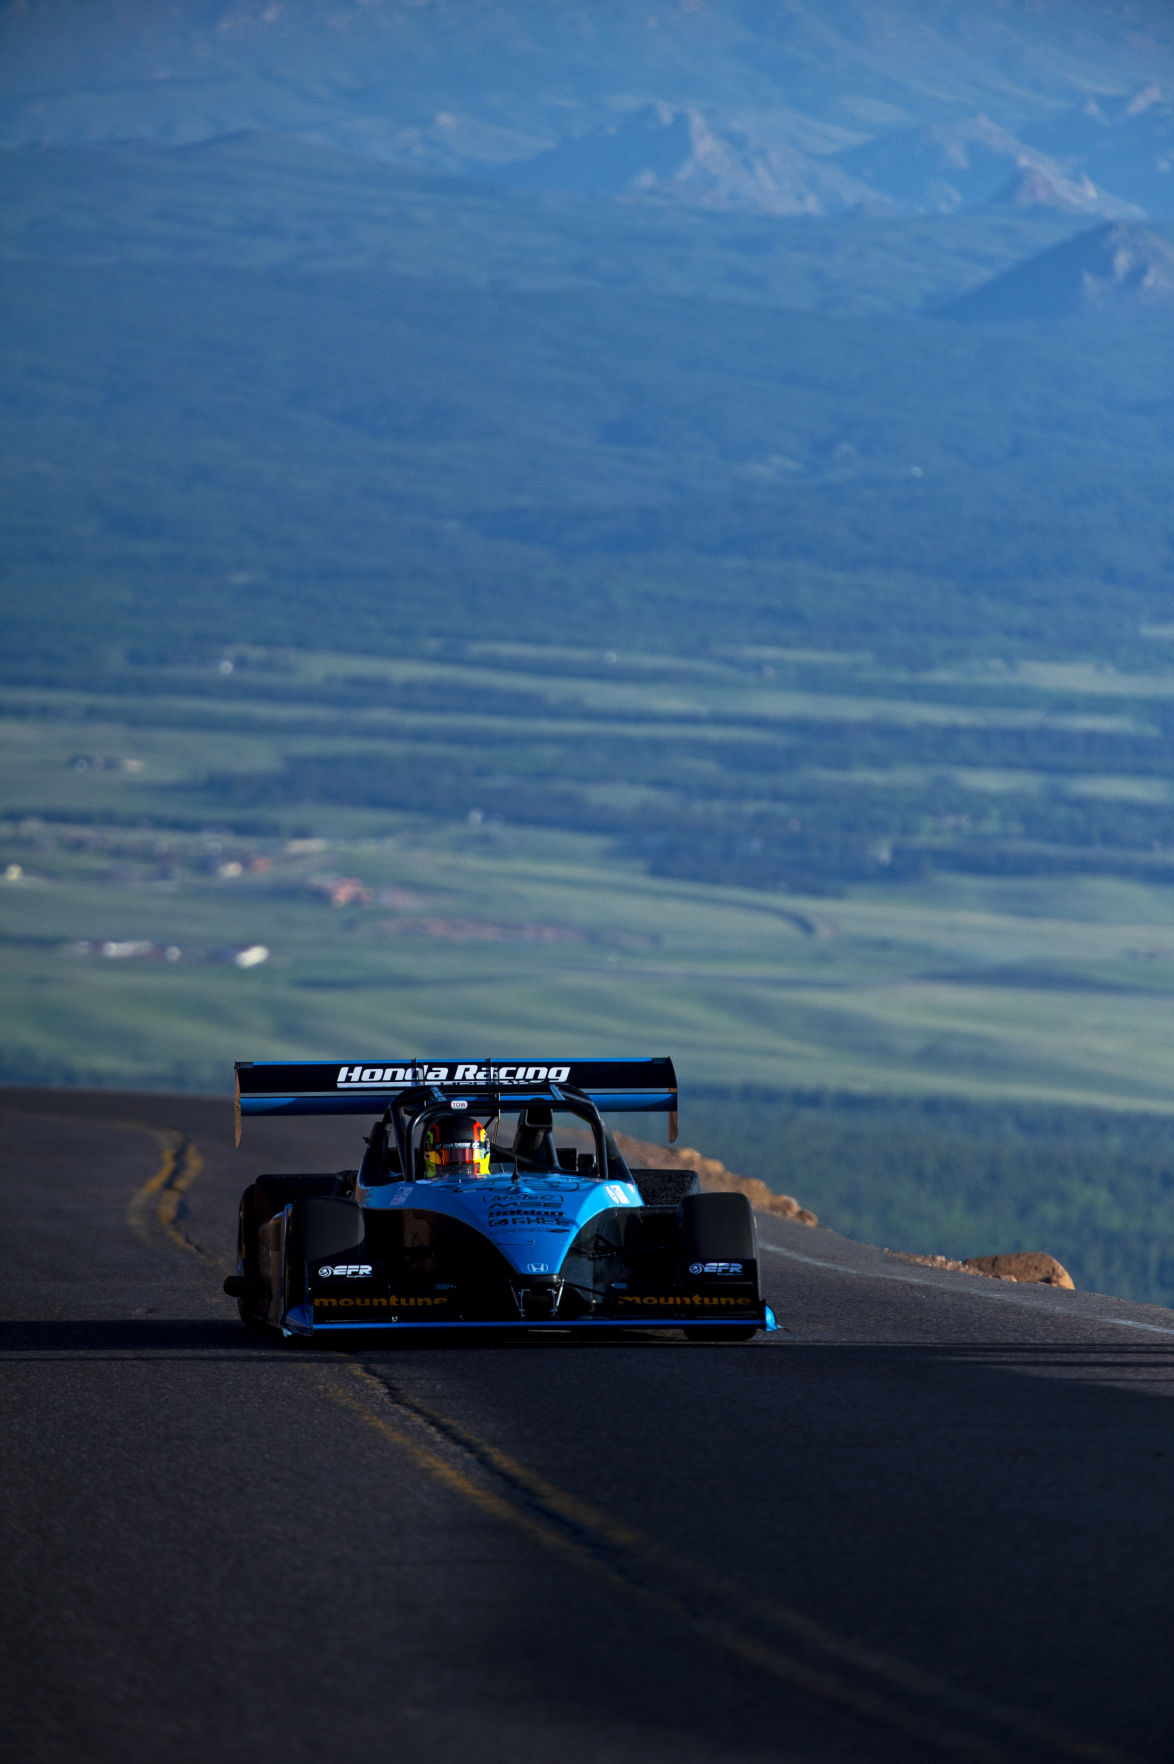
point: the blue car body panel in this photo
(532, 1220)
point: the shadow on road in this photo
(224, 1336)
(1131, 1367)
(142, 1335)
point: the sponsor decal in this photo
(382, 1075)
(537, 1268)
(527, 1216)
(715, 1267)
(416, 1301)
(616, 1193)
(351, 1270)
(359, 1077)
(675, 1300)
(460, 1103)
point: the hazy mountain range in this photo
(1109, 270)
(579, 302)
(780, 106)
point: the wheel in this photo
(252, 1213)
(260, 1202)
(665, 1188)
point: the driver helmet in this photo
(456, 1145)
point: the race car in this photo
(490, 1195)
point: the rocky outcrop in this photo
(1034, 1267)
(1024, 1265)
(714, 1176)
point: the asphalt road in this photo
(930, 1518)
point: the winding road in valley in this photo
(931, 1518)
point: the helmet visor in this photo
(463, 1153)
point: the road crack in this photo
(761, 1632)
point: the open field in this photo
(501, 834)
(172, 809)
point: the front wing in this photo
(359, 1297)
(301, 1320)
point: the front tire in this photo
(262, 1201)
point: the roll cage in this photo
(410, 1113)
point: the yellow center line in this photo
(171, 1195)
(162, 1193)
(730, 1616)
(168, 1142)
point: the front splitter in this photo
(297, 1322)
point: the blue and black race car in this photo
(490, 1195)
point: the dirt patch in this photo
(714, 1176)
(1034, 1267)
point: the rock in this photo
(1023, 1265)
(931, 1261)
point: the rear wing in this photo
(314, 1088)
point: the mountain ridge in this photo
(1109, 270)
(767, 109)
(659, 151)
